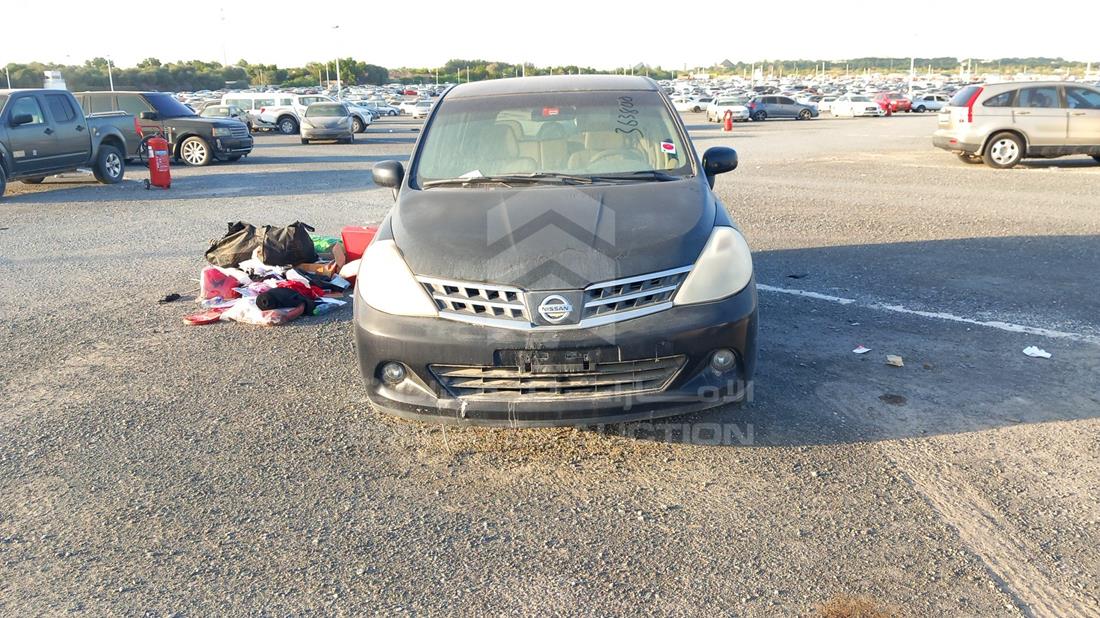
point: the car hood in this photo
(553, 237)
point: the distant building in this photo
(54, 80)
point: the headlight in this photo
(222, 132)
(723, 269)
(386, 283)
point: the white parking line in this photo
(937, 315)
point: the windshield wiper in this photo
(650, 175)
(509, 179)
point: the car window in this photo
(133, 104)
(1044, 97)
(286, 101)
(963, 96)
(583, 133)
(27, 105)
(60, 108)
(326, 109)
(99, 103)
(1001, 100)
(1082, 98)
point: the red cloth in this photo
(309, 291)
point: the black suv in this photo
(194, 140)
(556, 256)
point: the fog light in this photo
(393, 373)
(722, 360)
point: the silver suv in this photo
(1001, 124)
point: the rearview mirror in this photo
(718, 160)
(21, 119)
(388, 174)
(148, 115)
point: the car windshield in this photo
(330, 109)
(3, 101)
(167, 106)
(573, 133)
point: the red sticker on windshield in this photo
(550, 111)
(668, 148)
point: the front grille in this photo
(239, 130)
(602, 380)
(476, 299)
(632, 293)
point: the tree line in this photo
(191, 75)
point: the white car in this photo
(691, 104)
(929, 103)
(738, 106)
(852, 105)
(421, 109)
(826, 104)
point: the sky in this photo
(605, 35)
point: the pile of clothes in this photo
(272, 274)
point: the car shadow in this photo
(811, 389)
(1057, 163)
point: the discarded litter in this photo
(1036, 352)
(173, 297)
(861, 350)
(894, 360)
(798, 276)
(271, 275)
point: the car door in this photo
(1040, 115)
(1084, 116)
(135, 104)
(74, 146)
(32, 143)
(788, 107)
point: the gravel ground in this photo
(149, 468)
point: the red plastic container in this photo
(356, 238)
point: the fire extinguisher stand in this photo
(160, 175)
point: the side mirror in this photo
(388, 174)
(148, 116)
(21, 119)
(718, 160)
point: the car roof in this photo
(551, 83)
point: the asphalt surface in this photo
(150, 468)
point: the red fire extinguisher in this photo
(159, 174)
(727, 120)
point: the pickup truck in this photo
(44, 132)
(192, 139)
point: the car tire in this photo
(696, 109)
(1003, 151)
(921, 109)
(3, 181)
(969, 158)
(357, 125)
(305, 141)
(194, 151)
(287, 125)
(37, 180)
(760, 116)
(805, 115)
(109, 165)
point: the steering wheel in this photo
(625, 153)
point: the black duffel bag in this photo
(285, 245)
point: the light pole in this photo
(8, 74)
(110, 74)
(339, 84)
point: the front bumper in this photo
(341, 133)
(693, 331)
(224, 146)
